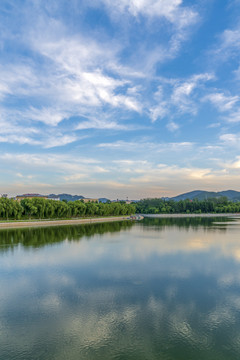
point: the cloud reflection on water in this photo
(141, 292)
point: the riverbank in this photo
(40, 223)
(61, 222)
(190, 215)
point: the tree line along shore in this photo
(37, 208)
(218, 205)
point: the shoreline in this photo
(49, 222)
(190, 215)
(42, 223)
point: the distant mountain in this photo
(67, 197)
(231, 194)
(103, 200)
(203, 195)
(70, 197)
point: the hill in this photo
(70, 197)
(203, 195)
(67, 197)
(103, 200)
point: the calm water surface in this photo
(155, 289)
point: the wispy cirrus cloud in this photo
(175, 97)
(232, 140)
(50, 116)
(18, 79)
(181, 96)
(230, 40)
(80, 69)
(146, 145)
(221, 101)
(171, 14)
(228, 105)
(83, 77)
(103, 125)
(226, 49)
(55, 163)
(18, 127)
(172, 10)
(72, 82)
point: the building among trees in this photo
(30, 196)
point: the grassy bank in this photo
(58, 222)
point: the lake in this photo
(153, 289)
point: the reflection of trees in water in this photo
(187, 223)
(41, 236)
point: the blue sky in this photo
(123, 98)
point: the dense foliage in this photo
(161, 206)
(50, 209)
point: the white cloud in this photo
(15, 129)
(170, 14)
(169, 9)
(20, 175)
(234, 165)
(181, 96)
(82, 76)
(234, 116)
(226, 104)
(229, 138)
(172, 126)
(11, 132)
(230, 39)
(221, 101)
(76, 77)
(178, 94)
(232, 140)
(81, 65)
(74, 81)
(122, 145)
(18, 139)
(214, 125)
(8, 127)
(69, 78)
(142, 147)
(17, 79)
(228, 45)
(164, 172)
(160, 110)
(237, 73)
(58, 140)
(49, 116)
(63, 165)
(101, 124)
